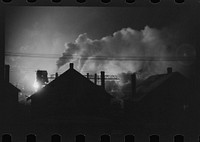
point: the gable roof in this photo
(71, 75)
(10, 87)
(153, 82)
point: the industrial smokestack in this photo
(71, 65)
(95, 78)
(103, 79)
(7, 73)
(88, 76)
(56, 75)
(169, 70)
(133, 83)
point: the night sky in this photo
(109, 32)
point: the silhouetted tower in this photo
(71, 65)
(133, 84)
(95, 78)
(169, 70)
(88, 76)
(7, 73)
(103, 79)
(56, 75)
(41, 76)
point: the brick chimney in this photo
(7, 73)
(71, 65)
(95, 78)
(133, 84)
(103, 79)
(169, 70)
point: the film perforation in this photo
(81, 1)
(178, 138)
(129, 138)
(105, 138)
(129, 1)
(106, 1)
(56, 1)
(56, 138)
(102, 138)
(154, 138)
(80, 138)
(179, 1)
(6, 138)
(31, 1)
(155, 1)
(31, 138)
(6, 1)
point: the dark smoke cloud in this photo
(146, 46)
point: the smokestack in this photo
(133, 83)
(56, 75)
(95, 78)
(71, 65)
(103, 79)
(88, 76)
(7, 73)
(169, 70)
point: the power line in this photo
(119, 58)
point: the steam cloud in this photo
(110, 53)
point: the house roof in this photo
(153, 82)
(9, 86)
(71, 75)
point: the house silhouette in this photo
(70, 94)
(9, 105)
(164, 98)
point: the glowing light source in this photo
(36, 85)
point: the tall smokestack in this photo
(133, 83)
(71, 65)
(88, 76)
(56, 75)
(7, 73)
(103, 79)
(169, 70)
(95, 78)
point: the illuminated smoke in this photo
(147, 49)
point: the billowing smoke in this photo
(147, 52)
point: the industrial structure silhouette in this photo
(72, 97)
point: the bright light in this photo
(36, 85)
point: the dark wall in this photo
(82, 100)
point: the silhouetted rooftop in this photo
(153, 82)
(66, 79)
(10, 86)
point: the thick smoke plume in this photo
(147, 52)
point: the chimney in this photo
(88, 76)
(71, 65)
(133, 83)
(169, 70)
(103, 79)
(7, 73)
(95, 78)
(56, 75)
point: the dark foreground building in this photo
(163, 98)
(71, 94)
(9, 105)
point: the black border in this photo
(88, 3)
